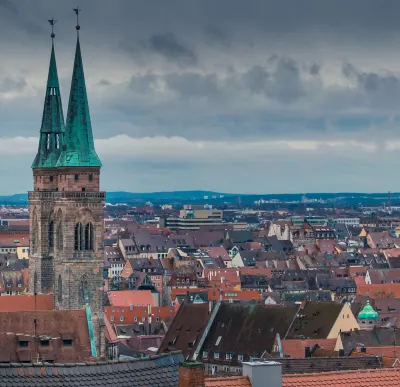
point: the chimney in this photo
(261, 371)
(307, 351)
(191, 374)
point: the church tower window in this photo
(78, 237)
(83, 291)
(51, 235)
(60, 289)
(89, 237)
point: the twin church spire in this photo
(69, 145)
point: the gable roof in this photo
(247, 329)
(186, 329)
(55, 325)
(315, 320)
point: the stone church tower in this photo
(67, 206)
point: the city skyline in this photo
(208, 96)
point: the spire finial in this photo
(77, 10)
(52, 22)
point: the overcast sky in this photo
(228, 95)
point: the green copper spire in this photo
(52, 130)
(79, 146)
(368, 313)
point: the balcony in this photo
(52, 195)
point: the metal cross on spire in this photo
(77, 10)
(52, 22)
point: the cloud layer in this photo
(194, 96)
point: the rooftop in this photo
(358, 378)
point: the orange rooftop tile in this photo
(131, 297)
(359, 378)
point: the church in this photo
(66, 205)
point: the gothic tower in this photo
(67, 206)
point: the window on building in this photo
(90, 177)
(228, 356)
(35, 283)
(226, 368)
(51, 235)
(78, 237)
(83, 291)
(157, 319)
(60, 243)
(240, 357)
(60, 289)
(76, 178)
(23, 343)
(205, 353)
(121, 318)
(89, 237)
(44, 343)
(67, 343)
(135, 319)
(112, 317)
(216, 355)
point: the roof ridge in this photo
(92, 363)
(369, 370)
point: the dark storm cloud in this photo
(142, 83)
(379, 88)
(228, 70)
(11, 11)
(189, 84)
(216, 36)
(169, 47)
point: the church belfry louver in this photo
(66, 205)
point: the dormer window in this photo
(205, 354)
(240, 357)
(216, 355)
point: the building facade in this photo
(67, 206)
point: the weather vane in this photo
(77, 10)
(52, 22)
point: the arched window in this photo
(59, 237)
(78, 237)
(51, 235)
(60, 289)
(89, 237)
(84, 291)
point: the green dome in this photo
(368, 313)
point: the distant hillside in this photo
(211, 197)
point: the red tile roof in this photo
(296, 348)
(231, 381)
(360, 378)
(111, 336)
(379, 290)
(26, 303)
(139, 313)
(131, 297)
